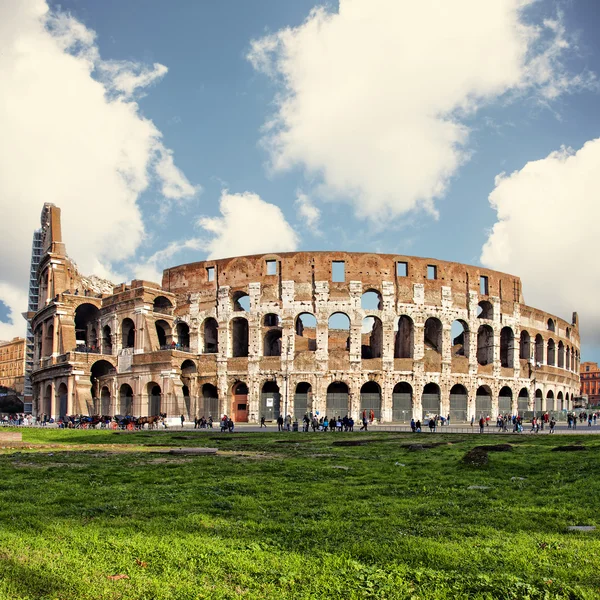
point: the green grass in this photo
(264, 519)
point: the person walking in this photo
(279, 423)
(262, 422)
(481, 424)
(182, 420)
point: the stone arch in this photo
(271, 320)
(302, 400)
(507, 347)
(338, 398)
(550, 408)
(306, 332)
(405, 337)
(523, 401)
(485, 310)
(460, 338)
(568, 358)
(210, 328)
(371, 300)
(539, 349)
(239, 337)
(559, 402)
(551, 353)
(183, 336)
(162, 305)
(525, 346)
(272, 343)
(431, 400)
(433, 335)
(107, 340)
(86, 320)
(105, 401)
(164, 333)
(539, 396)
(125, 400)
(371, 338)
(459, 404)
(338, 332)
(370, 399)
(188, 368)
(505, 401)
(154, 399)
(47, 402)
(485, 345)
(402, 402)
(483, 402)
(62, 402)
(239, 402)
(551, 325)
(49, 340)
(128, 333)
(99, 370)
(270, 401)
(210, 401)
(561, 355)
(240, 302)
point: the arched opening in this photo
(559, 402)
(239, 409)
(211, 336)
(430, 400)
(459, 400)
(523, 401)
(370, 400)
(270, 401)
(49, 341)
(47, 402)
(402, 402)
(551, 353)
(561, 355)
(154, 399)
(485, 345)
(538, 401)
(485, 310)
(539, 349)
(551, 325)
(100, 369)
(306, 333)
(239, 337)
(125, 400)
(371, 338)
(507, 348)
(210, 401)
(272, 343)
(183, 336)
(505, 401)
(460, 338)
(550, 402)
(566, 406)
(271, 320)
(162, 305)
(405, 337)
(187, 401)
(106, 340)
(525, 346)
(302, 400)
(188, 370)
(164, 333)
(86, 320)
(568, 358)
(337, 399)
(483, 402)
(105, 402)
(61, 396)
(432, 334)
(128, 333)
(371, 300)
(241, 302)
(338, 334)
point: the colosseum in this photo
(296, 332)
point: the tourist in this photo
(413, 425)
(350, 424)
(223, 423)
(288, 422)
(279, 423)
(365, 421)
(230, 425)
(262, 422)
(182, 420)
(481, 424)
(418, 425)
(431, 425)
(552, 425)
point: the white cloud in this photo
(308, 212)
(546, 233)
(373, 99)
(73, 140)
(152, 268)
(248, 225)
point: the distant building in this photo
(12, 364)
(590, 382)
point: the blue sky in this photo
(230, 68)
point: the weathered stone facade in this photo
(262, 335)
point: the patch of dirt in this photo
(31, 465)
(574, 448)
(477, 457)
(355, 442)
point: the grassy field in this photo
(297, 516)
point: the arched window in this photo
(306, 332)
(183, 336)
(525, 346)
(337, 399)
(505, 401)
(106, 340)
(430, 400)
(302, 400)
(339, 332)
(550, 402)
(272, 343)
(371, 338)
(485, 345)
(239, 337)
(551, 352)
(371, 300)
(561, 355)
(485, 310)
(551, 325)
(507, 347)
(458, 404)
(270, 401)
(402, 402)
(271, 320)
(568, 357)
(162, 305)
(125, 400)
(433, 335)
(483, 402)
(210, 401)
(128, 333)
(154, 399)
(164, 333)
(523, 401)
(539, 349)
(241, 302)
(211, 336)
(86, 319)
(370, 400)
(460, 338)
(405, 337)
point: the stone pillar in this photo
(71, 408)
